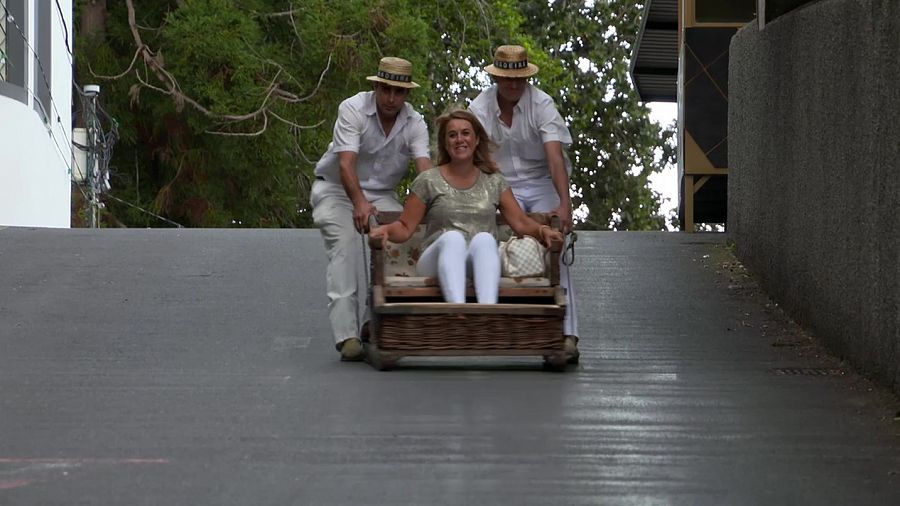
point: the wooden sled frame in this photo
(410, 318)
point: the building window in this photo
(13, 26)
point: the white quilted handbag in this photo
(522, 257)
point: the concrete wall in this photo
(814, 180)
(36, 189)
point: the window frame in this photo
(15, 84)
(42, 64)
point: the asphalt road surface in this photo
(166, 367)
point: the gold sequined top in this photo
(469, 210)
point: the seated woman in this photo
(459, 200)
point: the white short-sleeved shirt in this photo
(381, 161)
(520, 152)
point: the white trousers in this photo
(540, 196)
(451, 260)
(344, 246)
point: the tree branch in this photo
(169, 85)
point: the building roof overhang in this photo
(654, 59)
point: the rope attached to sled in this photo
(362, 238)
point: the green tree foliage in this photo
(616, 147)
(225, 105)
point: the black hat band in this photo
(511, 65)
(394, 77)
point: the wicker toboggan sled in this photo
(409, 317)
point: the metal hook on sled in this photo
(568, 254)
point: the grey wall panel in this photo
(813, 188)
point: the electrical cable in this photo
(65, 28)
(10, 18)
(144, 210)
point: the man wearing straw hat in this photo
(375, 136)
(531, 136)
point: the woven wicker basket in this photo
(448, 332)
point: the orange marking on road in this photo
(9, 484)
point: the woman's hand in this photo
(549, 236)
(379, 235)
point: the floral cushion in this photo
(400, 259)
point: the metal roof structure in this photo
(654, 61)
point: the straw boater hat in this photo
(511, 61)
(395, 72)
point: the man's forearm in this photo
(422, 164)
(558, 174)
(561, 183)
(351, 186)
(350, 180)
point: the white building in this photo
(35, 112)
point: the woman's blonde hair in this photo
(482, 158)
